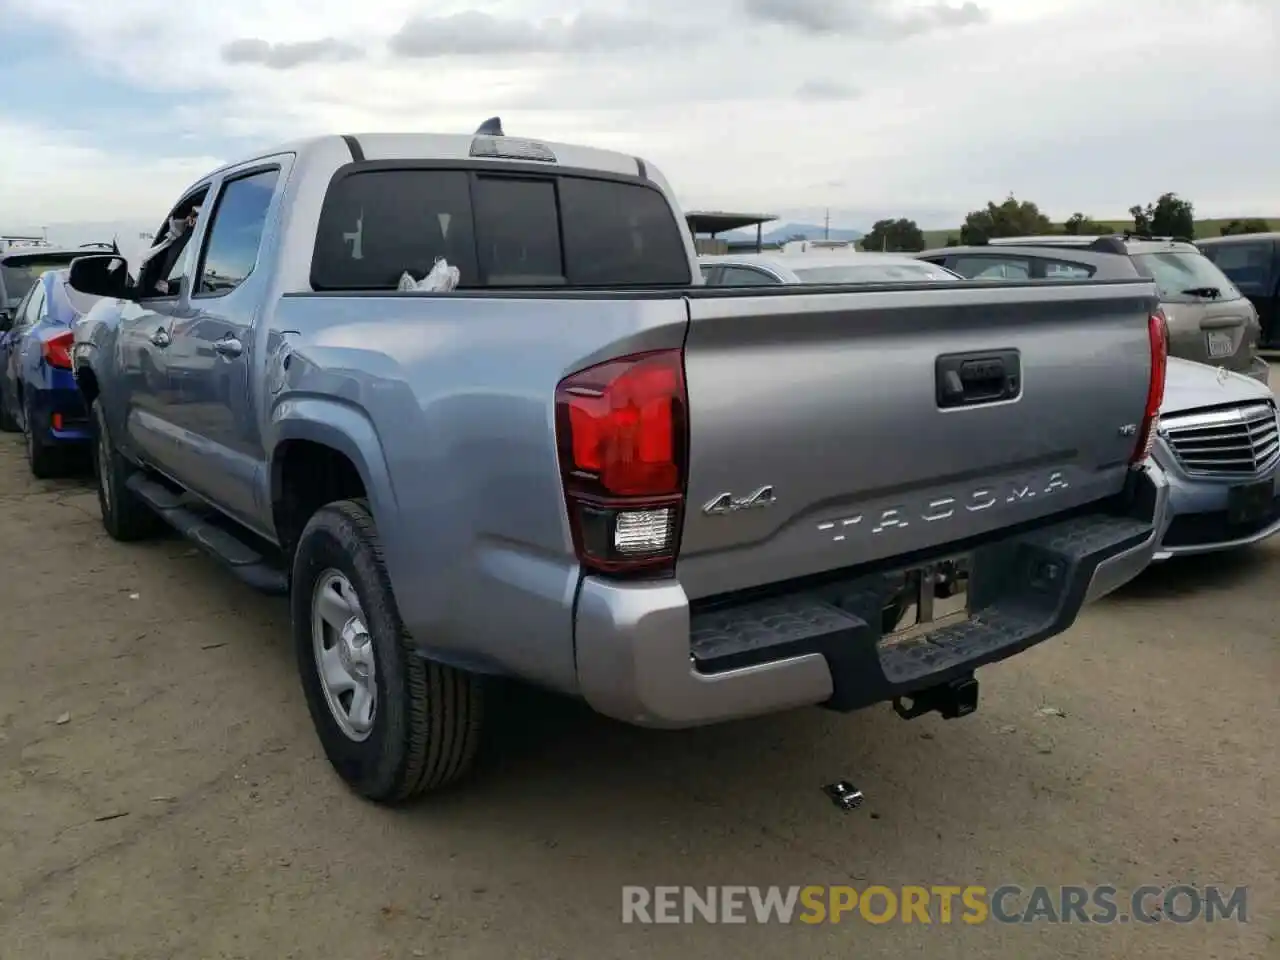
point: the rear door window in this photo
(239, 219)
(498, 230)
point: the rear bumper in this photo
(645, 655)
(58, 415)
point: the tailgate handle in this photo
(970, 379)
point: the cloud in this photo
(474, 33)
(47, 177)
(827, 90)
(736, 110)
(869, 18)
(286, 56)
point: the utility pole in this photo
(826, 226)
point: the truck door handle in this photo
(161, 338)
(228, 346)
(970, 379)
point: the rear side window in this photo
(744, 277)
(875, 273)
(1061, 270)
(498, 231)
(993, 268)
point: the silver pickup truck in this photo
(584, 469)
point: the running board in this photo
(242, 560)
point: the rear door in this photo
(212, 404)
(1210, 321)
(830, 401)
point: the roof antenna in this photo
(490, 128)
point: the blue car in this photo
(38, 394)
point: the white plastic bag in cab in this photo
(441, 279)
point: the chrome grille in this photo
(1237, 441)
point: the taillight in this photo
(1158, 336)
(622, 432)
(57, 350)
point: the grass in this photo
(1204, 229)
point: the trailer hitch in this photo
(953, 699)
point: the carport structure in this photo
(713, 223)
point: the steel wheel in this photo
(344, 655)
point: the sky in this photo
(868, 108)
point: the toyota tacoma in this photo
(582, 468)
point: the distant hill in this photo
(788, 231)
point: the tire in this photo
(426, 717)
(46, 462)
(125, 516)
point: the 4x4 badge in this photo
(728, 503)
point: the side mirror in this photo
(102, 275)
(6, 320)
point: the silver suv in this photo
(1209, 320)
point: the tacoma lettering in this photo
(946, 507)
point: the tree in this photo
(1080, 225)
(1013, 218)
(1169, 216)
(1251, 225)
(894, 236)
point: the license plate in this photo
(1249, 502)
(1221, 343)
(924, 600)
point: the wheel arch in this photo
(321, 451)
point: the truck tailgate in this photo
(819, 437)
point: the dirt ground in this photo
(162, 794)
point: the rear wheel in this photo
(125, 516)
(392, 724)
(46, 461)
